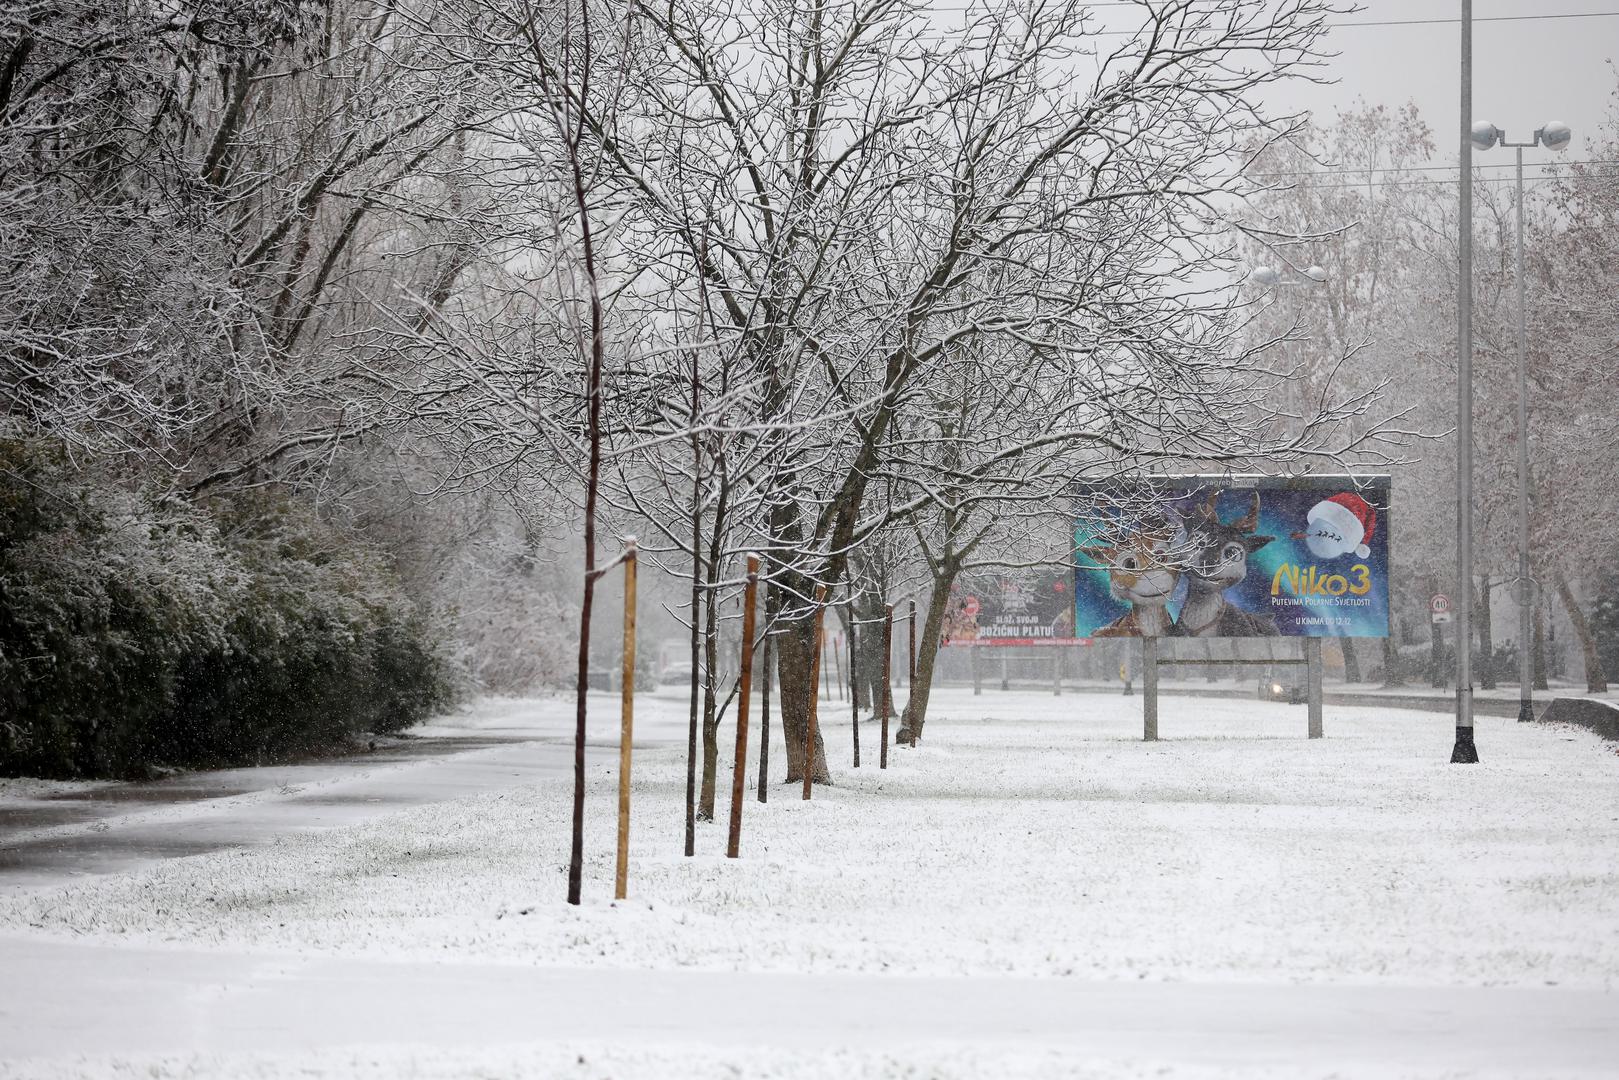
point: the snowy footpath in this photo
(1031, 892)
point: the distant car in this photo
(1284, 683)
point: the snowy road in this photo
(55, 837)
(63, 1000)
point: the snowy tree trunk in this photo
(927, 656)
(1391, 662)
(1596, 680)
(795, 645)
(1351, 660)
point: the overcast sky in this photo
(1525, 72)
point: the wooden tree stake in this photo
(627, 723)
(739, 766)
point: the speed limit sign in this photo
(1439, 608)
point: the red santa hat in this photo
(1350, 515)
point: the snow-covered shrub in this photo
(134, 630)
(322, 644)
(101, 594)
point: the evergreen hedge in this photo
(135, 631)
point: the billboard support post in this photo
(1312, 682)
(1056, 671)
(1149, 688)
(978, 674)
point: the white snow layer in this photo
(1027, 835)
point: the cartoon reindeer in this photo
(1140, 574)
(1215, 557)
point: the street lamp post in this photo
(1553, 136)
(1465, 751)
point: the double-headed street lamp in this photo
(1554, 136)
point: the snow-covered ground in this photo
(1028, 838)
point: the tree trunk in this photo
(1540, 647)
(1596, 680)
(1391, 662)
(795, 645)
(1351, 660)
(1486, 637)
(711, 719)
(927, 656)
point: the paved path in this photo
(62, 999)
(110, 828)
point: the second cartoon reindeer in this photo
(1214, 556)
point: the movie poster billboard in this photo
(1013, 607)
(1234, 557)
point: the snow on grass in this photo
(1027, 835)
(932, 1061)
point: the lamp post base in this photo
(1465, 752)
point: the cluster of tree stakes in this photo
(751, 643)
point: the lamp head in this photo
(1555, 135)
(1264, 275)
(1314, 273)
(1484, 135)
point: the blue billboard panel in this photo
(1234, 556)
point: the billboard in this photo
(1233, 556)
(1012, 607)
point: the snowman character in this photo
(1339, 525)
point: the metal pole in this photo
(1149, 689)
(1312, 685)
(1465, 751)
(1526, 705)
(621, 874)
(739, 765)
